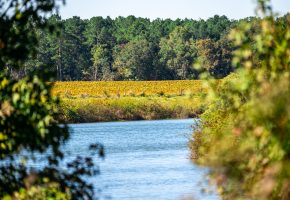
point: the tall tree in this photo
(130, 28)
(76, 55)
(98, 31)
(101, 63)
(215, 57)
(134, 61)
(178, 53)
(69, 55)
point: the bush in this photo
(244, 135)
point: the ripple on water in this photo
(144, 159)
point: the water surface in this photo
(144, 159)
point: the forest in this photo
(131, 48)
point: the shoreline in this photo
(149, 120)
(91, 110)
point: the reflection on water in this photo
(144, 159)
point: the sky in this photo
(194, 9)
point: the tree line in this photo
(131, 48)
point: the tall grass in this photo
(130, 108)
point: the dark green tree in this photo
(215, 57)
(134, 61)
(98, 31)
(68, 53)
(178, 53)
(76, 55)
(101, 63)
(130, 28)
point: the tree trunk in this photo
(96, 73)
(59, 62)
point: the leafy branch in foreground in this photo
(29, 133)
(245, 133)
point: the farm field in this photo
(126, 88)
(129, 100)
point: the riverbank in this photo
(104, 101)
(80, 110)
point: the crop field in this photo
(126, 88)
(92, 101)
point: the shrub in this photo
(244, 135)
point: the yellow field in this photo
(126, 88)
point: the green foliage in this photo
(69, 53)
(130, 28)
(101, 63)
(50, 191)
(29, 132)
(17, 32)
(244, 136)
(215, 57)
(28, 108)
(99, 31)
(27, 124)
(178, 52)
(134, 61)
(130, 108)
(73, 47)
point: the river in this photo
(144, 159)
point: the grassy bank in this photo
(130, 108)
(129, 100)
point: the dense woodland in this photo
(130, 48)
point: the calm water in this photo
(144, 159)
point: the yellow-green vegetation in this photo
(130, 108)
(126, 88)
(129, 100)
(245, 132)
(46, 191)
